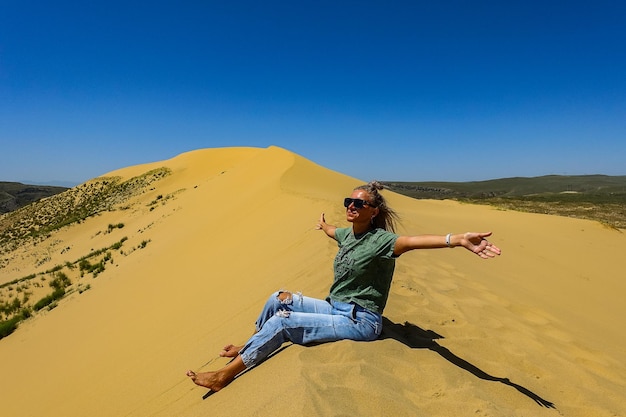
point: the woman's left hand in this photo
(478, 243)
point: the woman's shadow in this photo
(418, 338)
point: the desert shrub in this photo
(60, 281)
(97, 268)
(49, 299)
(159, 197)
(12, 307)
(55, 269)
(8, 326)
(83, 289)
(5, 309)
(118, 245)
(84, 265)
(114, 226)
(17, 281)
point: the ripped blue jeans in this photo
(303, 320)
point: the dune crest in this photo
(192, 246)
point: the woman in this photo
(353, 310)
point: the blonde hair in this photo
(387, 217)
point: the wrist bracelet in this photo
(448, 240)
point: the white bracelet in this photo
(448, 240)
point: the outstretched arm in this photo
(474, 242)
(327, 228)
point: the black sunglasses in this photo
(358, 203)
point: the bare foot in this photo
(230, 351)
(217, 380)
(211, 380)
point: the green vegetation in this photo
(46, 301)
(156, 200)
(118, 245)
(60, 281)
(94, 269)
(593, 197)
(12, 307)
(8, 326)
(114, 226)
(162, 199)
(38, 219)
(17, 310)
(35, 222)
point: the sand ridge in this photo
(541, 325)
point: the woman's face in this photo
(360, 215)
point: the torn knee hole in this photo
(285, 297)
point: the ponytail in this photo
(387, 217)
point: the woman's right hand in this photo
(327, 228)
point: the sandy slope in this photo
(541, 325)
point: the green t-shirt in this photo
(364, 268)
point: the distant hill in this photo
(596, 185)
(594, 197)
(14, 195)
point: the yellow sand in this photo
(542, 324)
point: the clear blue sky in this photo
(390, 90)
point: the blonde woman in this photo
(363, 268)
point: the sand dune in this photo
(538, 331)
